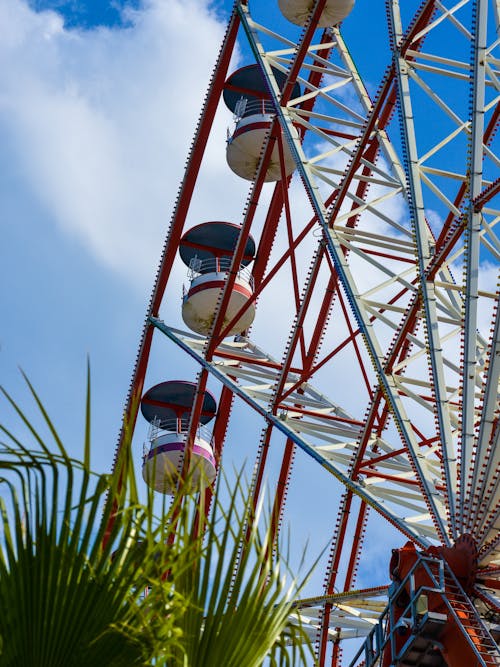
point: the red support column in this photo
(171, 243)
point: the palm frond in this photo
(63, 600)
(91, 576)
(239, 594)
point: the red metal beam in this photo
(251, 208)
(289, 231)
(171, 242)
(219, 436)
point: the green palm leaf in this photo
(240, 595)
(64, 602)
(73, 583)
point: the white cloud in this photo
(100, 121)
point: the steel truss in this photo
(394, 207)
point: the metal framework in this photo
(386, 238)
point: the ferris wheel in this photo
(353, 309)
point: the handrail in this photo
(252, 106)
(198, 267)
(383, 633)
(159, 427)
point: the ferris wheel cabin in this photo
(299, 11)
(247, 96)
(167, 407)
(208, 250)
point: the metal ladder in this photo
(422, 649)
(468, 619)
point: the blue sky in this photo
(90, 167)
(98, 104)
(94, 137)
(86, 14)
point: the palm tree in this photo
(72, 595)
